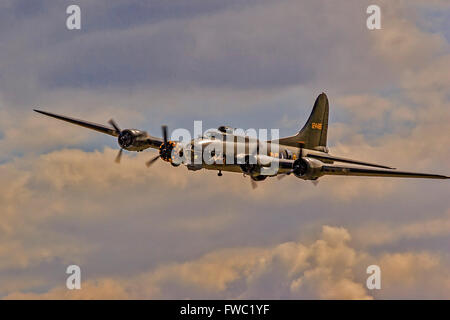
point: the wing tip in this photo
(40, 111)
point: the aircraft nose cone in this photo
(125, 139)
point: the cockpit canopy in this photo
(225, 129)
(213, 134)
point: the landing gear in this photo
(220, 173)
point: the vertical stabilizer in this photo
(313, 135)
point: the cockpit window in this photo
(225, 129)
(213, 134)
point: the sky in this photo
(167, 233)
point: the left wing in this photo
(86, 124)
(349, 171)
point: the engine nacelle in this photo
(307, 168)
(134, 140)
(171, 152)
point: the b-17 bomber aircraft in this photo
(304, 155)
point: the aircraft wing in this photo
(323, 156)
(86, 124)
(349, 171)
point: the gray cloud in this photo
(257, 45)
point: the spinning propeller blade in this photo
(151, 161)
(119, 156)
(115, 126)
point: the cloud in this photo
(289, 270)
(376, 234)
(328, 268)
(409, 271)
(232, 46)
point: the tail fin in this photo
(314, 133)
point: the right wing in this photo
(90, 125)
(349, 171)
(323, 156)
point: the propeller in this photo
(118, 131)
(164, 132)
(115, 126)
(119, 156)
(165, 135)
(254, 184)
(151, 161)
